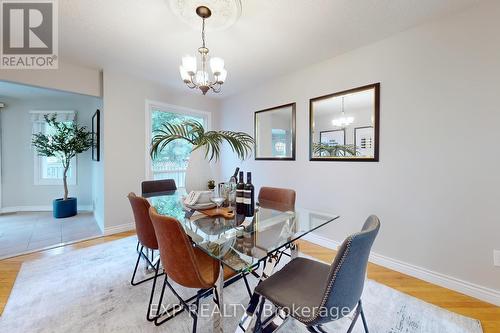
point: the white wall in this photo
(437, 185)
(98, 178)
(18, 189)
(67, 77)
(124, 139)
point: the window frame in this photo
(164, 107)
(38, 123)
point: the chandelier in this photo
(200, 79)
(342, 121)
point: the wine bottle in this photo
(231, 195)
(234, 176)
(249, 196)
(240, 209)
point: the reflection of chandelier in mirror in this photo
(342, 121)
(200, 79)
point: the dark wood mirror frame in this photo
(287, 158)
(375, 158)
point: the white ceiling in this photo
(271, 38)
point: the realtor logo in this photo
(29, 34)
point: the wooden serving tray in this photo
(219, 212)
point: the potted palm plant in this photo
(67, 141)
(206, 147)
(335, 149)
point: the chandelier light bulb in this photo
(202, 78)
(189, 64)
(217, 65)
(342, 121)
(222, 76)
(184, 75)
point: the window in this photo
(49, 170)
(279, 141)
(171, 162)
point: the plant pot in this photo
(64, 208)
(198, 172)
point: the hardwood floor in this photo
(488, 314)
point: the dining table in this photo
(243, 244)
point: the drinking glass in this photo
(232, 197)
(217, 196)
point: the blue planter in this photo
(64, 208)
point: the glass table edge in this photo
(299, 235)
(257, 260)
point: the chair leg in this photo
(150, 260)
(216, 296)
(195, 315)
(160, 301)
(359, 310)
(183, 305)
(321, 329)
(150, 304)
(152, 255)
(249, 291)
(258, 324)
(136, 265)
(365, 325)
(149, 263)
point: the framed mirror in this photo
(344, 126)
(275, 133)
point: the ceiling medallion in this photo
(200, 78)
(224, 12)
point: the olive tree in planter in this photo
(67, 141)
(206, 145)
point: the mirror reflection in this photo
(344, 126)
(275, 133)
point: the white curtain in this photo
(38, 116)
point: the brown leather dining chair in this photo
(185, 264)
(281, 199)
(277, 198)
(145, 233)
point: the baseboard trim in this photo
(470, 289)
(118, 228)
(50, 247)
(16, 209)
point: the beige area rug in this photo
(89, 291)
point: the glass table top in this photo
(241, 242)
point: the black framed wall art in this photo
(96, 136)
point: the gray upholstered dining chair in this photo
(315, 293)
(157, 186)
